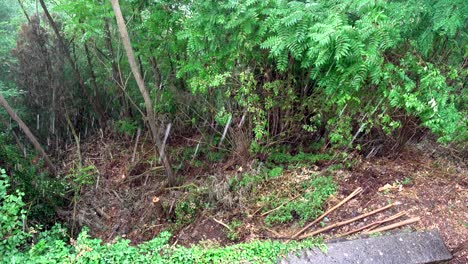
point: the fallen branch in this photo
(101, 212)
(272, 231)
(392, 226)
(351, 196)
(281, 205)
(374, 224)
(183, 186)
(136, 144)
(342, 223)
(223, 224)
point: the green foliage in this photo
(307, 207)
(158, 250)
(126, 127)
(233, 232)
(246, 180)
(187, 209)
(12, 218)
(275, 172)
(51, 246)
(82, 176)
(349, 52)
(41, 192)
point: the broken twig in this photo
(374, 224)
(223, 224)
(395, 225)
(351, 196)
(342, 223)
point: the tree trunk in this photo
(91, 70)
(95, 104)
(156, 73)
(150, 117)
(24, 11)
(116, 76)
(28, 134)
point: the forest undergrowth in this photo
(210, 131)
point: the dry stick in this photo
(392, 226)
(351, 196)
(281, 205)
(223, 224)
(272, 231)
(374, 224)
(136, 145)
(346, 221)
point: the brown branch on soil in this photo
(182, 187)
(273, 232)
(395, 225)
(351, 196)
(374, 224)
(281, 205)
(134, 177)
(136, 144)
(342, 223)
(223, 224)
(101, 212)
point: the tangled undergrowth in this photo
(21, 245)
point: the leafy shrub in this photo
(346, 68)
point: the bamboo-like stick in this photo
(395, 225)
(374, 224)
(342, 223)
(351, 196)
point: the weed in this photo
(407, 181)
(335, 167)
(299, 159)
(307, 207)
(465, 224)
(126, 127)
(244, 181)
(275, 172)
(377, 234)
(215, 156)
(233, 232)
(187, 209)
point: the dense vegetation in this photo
(282, 82)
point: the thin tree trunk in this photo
(28, 134)
(156, 73)
(95, 104)
(91, 70)
(115, 70)
(24, 11)
(150, 117)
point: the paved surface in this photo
(405, 248)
